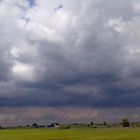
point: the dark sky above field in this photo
(58, 57)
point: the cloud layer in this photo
(69, 53)
(47, 115)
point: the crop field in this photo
(71, 134)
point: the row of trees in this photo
(125, 123)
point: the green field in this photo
(71, 134)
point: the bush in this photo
(65, 127)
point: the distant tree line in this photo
(124, 123)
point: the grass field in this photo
(71, 134)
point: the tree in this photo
(91, 123)
(105, 123)
(125, 123)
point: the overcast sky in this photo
(69, 60)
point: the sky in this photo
(69, 61)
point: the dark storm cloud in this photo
(53, 99)
(86, 54)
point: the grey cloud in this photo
(82, 55)
(46, 115)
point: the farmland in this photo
(71, 134)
